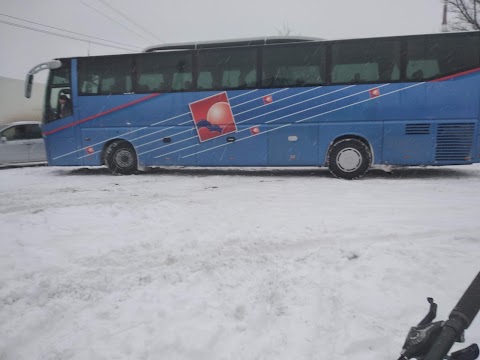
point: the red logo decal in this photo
(374, 93)
(267, 99)
(255, 130)
(213, 117)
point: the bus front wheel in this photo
(120, 158)
(349, 159)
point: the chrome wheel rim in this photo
(124, 158)
(349, 159)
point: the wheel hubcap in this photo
(124, 158)
(349, 159)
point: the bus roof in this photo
(230, 42)
(277, 40)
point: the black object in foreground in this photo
(433, 341)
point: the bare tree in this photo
(286, 30)
(464, 15)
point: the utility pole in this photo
(475, 12)
(444, 22)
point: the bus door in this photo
(293, 145)
(59, 115)
(59, 105)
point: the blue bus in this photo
(345, 104)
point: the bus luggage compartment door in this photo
(293, 145)
(408, 143)
(245, 147)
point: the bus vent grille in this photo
(454, 142)
(417, 129)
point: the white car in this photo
(21, 143)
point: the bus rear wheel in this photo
(349, 159)
(120, 158)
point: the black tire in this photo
(349, 159)
(121, 158)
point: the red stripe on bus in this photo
(449, 77)
(100, 114)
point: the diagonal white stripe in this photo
(239, 122)
(330, 111)
(243, 94)
(298, 112)
(288, 97)
(124, 134)
(174, 151)
(174, 143)
(308, 118)
(246, 102)
(307, 100)
(158, 131)
(285, 107)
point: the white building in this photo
(13, 104)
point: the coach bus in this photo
(347, 105)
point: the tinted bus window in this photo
(366, 61)
(164, 72)
(293, 65)
(432, 57)
(227, 69)
(105, 75)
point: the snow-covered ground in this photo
(234, 264)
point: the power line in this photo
(68, 31)
(63, 36)
(130, 20)
(116, 21)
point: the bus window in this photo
(432, 57)
(355, 73)
(90, 85)
(422, 63)
(149, 82)
(293, 65)
(181, 81)
(366, 61)
(105, 75)
(250, 78)
(164, 72)
(421, 69)
(228, 68)
(205, 80)
(231, 79)
(457, 54)
(61, 76)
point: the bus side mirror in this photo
(54, 64)
(28, 86)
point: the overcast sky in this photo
(191, 20)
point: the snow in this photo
(230, 264)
